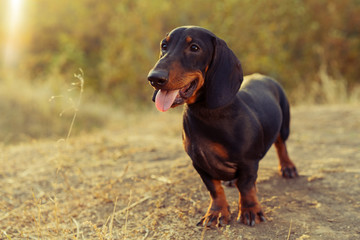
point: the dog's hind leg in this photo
(286, 166)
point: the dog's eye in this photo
(164, 46)
(194, 48)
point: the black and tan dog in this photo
(227, 131)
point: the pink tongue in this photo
(164, 99)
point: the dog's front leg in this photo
(250, 211)
(218, 213)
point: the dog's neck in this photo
(201, 111)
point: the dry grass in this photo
(327, 90)
(134, 181)
(74, 105)
(27, 113)
(74, 194)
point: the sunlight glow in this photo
(14, 12)
(13, 30)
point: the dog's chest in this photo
(209, 152)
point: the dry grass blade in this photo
(80, 77)
(127, 216)
(203, 233)
(111, 224)
(133, 205)
(146, 234)
(73, 105)
(7, 236)
(288, 237)
(55, 213)
(77, 228)
(37, 219)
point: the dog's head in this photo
(194, 66)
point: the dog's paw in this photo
(250, 216)
(216, 218)
(289, 172)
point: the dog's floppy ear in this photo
(224, 76)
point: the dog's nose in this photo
(158, 78)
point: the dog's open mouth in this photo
(165, 99)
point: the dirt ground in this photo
(133, 180)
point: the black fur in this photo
(227, 131)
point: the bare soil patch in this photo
(134, 181)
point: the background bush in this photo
(311, 47)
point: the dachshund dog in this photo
(226, 131)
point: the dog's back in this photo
(265, 96)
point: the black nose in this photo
(158, 78)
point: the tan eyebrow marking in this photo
(188, 39)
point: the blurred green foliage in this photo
(311, 46)
(116, 41)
